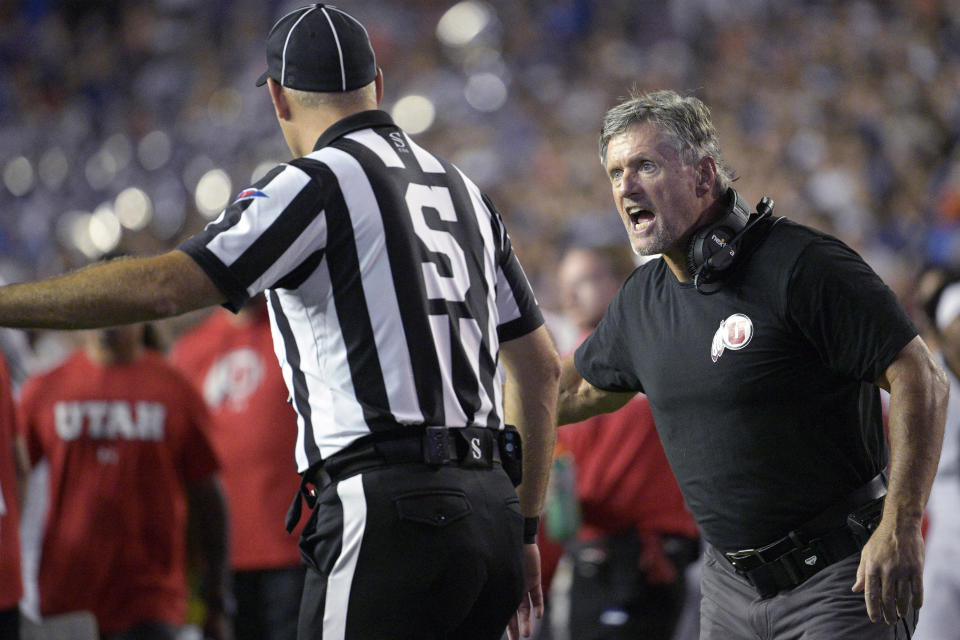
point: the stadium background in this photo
(126, 126)
(131, 124)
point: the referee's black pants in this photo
(413, 551)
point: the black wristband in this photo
(530, 527)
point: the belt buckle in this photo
(435, 447)
(479, 444)
(737, 557)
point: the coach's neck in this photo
(304, 116)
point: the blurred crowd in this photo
(847, 114)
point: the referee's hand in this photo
(521, 624)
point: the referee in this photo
(394, 295)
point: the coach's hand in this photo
(521, 623)
(891, 571)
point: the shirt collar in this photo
(353, 122)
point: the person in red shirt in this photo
(636, 536)
(129, 465)
(12, 467)
(230, 358)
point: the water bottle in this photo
(562, 509)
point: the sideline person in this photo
(941, 563)
(395, 295)
(636, 537)
(130, 469)
(762, 345)
(13, 468)
(229, 359)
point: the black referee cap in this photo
(319, 48)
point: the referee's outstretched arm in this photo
(106, 294)
(530, 400)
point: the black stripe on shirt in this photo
(282, 232)
(234, 288)
(403, 251)
(221, 275)
(477, 296)
(301, 394)
(530, 315)
(476, 300)
(343, 263)
(297, 277)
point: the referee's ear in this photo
(378, 83)
(280, 104)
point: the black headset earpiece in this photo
(713, 249)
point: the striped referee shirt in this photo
(390, 279)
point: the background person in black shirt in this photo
(765, 393)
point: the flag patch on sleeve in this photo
(246, 194)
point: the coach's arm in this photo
(579, 400)
(119, 291)
(530, 395)
(891, 564)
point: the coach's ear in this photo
(281, 105)
(706, 176)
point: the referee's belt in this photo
(466, 447)
(834, 534)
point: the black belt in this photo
(467, 447)
(833, 535)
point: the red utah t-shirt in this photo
(254, 432)
(10, 586)
(122, 443)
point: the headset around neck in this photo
(713, 248)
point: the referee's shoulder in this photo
(295, 174)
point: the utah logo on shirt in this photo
(233, 379)
(734, 333)
(110, 420)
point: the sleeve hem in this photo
(519, 327)
(220, 275)
(578, 363)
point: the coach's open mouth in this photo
(640, 218)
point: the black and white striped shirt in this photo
(391, 282)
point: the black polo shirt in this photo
(763, 393)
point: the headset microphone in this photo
(714, 248)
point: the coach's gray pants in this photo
(822, 608)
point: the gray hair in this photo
(685, 120)
(363, 98)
